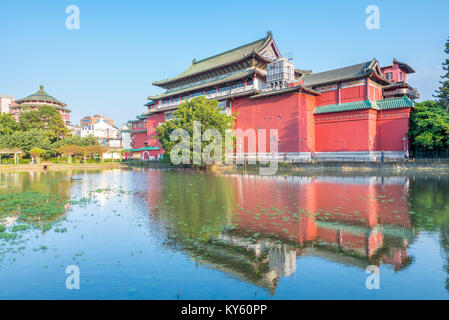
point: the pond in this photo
(155, 234)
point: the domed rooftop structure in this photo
(41, 97)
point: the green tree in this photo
(36, 154)
(90, 140)
(27, 140)
(68, 150)
(7, 124)
(46, 118)
(85, 151)
(199, 109)
(429, 126)
(442, 94)
(97, 150)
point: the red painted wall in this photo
(355, 128)
(342, 95)
(328, 97)
(152, 123)
(375, 91)
(353, 94)
(139, 139)
(65, 115)
(396, 76)
(392, 127)
(291, 114)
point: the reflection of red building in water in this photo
(351, 220)
(355, 111)
(352, 215)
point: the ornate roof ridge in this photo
(266, 39)
(344, 73)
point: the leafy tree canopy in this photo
(46, 118)
(37, 152)
(198, 109)
(27, 140)
(442, 94)
(90, 140)
(7, 124)
(429, 126)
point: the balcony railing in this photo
(208, 96)
(412, 94)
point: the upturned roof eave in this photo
(268, 39)
(164, 85)
(404, 66)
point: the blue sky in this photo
(108, 65)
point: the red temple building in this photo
(353, 112)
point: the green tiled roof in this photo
(149, 103)
(342, 226)
(43, 96)
(221, 59)
(145, 149)
(349, 72)
(391, 230)
(224, 78)
(397, 231)
(358, 105)
(394, 103)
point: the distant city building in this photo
(107, 135)
(5, 103)
(89, 120)
(126, 137)
(34, 101)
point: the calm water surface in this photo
(151, 234)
